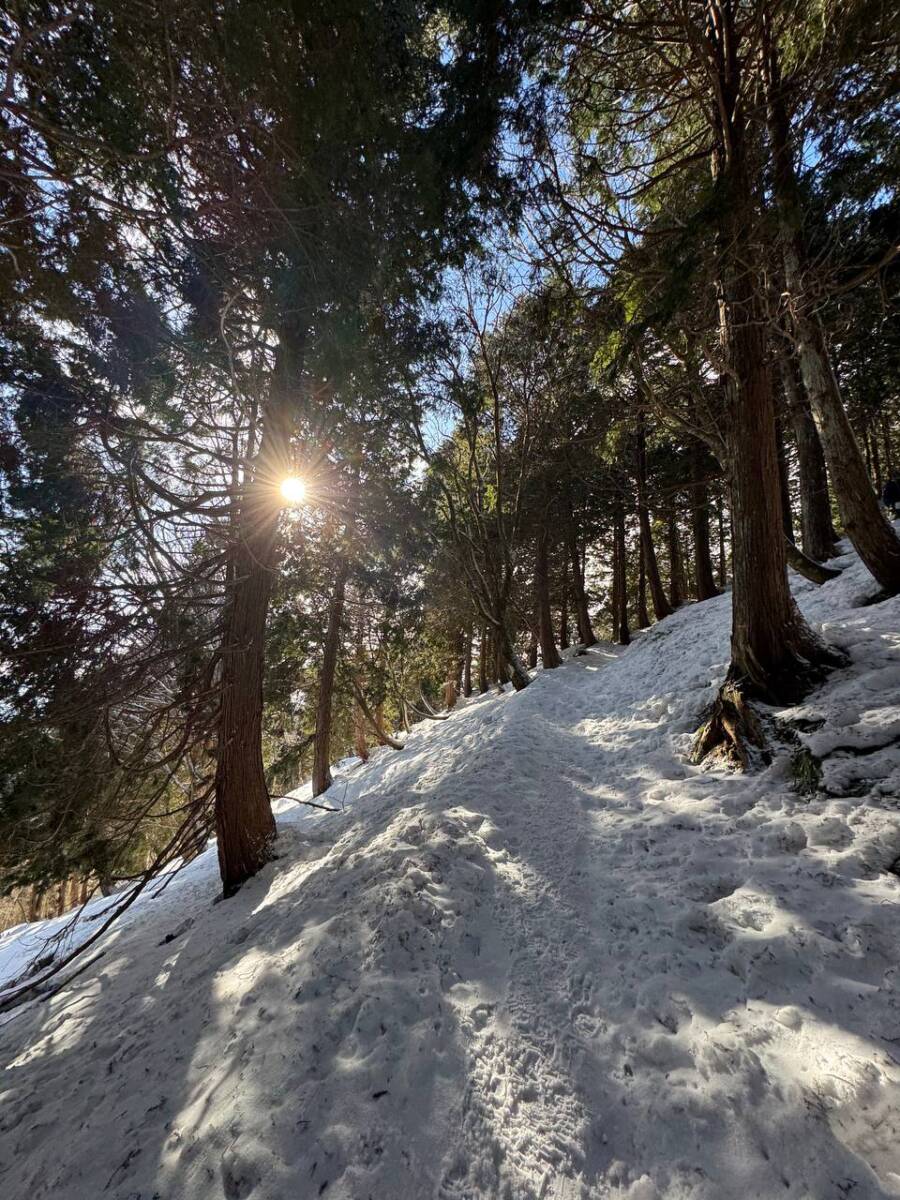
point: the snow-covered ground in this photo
(539, 955)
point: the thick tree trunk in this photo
(586, 634)
(703, 569)
(321, 774)
(621, 632)
(816, 531)
(863, 520)
(549, 654)
(484, 654)
(245, 827)
(771, 644)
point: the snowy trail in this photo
(540, 956)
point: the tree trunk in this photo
(888, 450)
(863, 520)
(676, 567)
(650, 567)
(321, 774)
(375, 720)
(360, 741)
(467, 664)
(771, 644)
(661, 606)
(703, 570)
(564, 606)
(817, 535)
(549, 654)
(484, 653)
(723, 557)
(643, 616)
(586, 634)
(808, 567)
(532, 655)
(619, 588)
(784, 483)
(876, 462)
(511, 666)
(245, 827)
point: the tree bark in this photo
(703, 570)
(511, 666)
(549, 654)
(621, 632)
(808, 567)
(467, 664)
(586, 634)
(375, 720)
(321, 774)
(532, 655)
(245, 827)
(676, 567)
(817, 534)
(564, 606)
(863, 520)
(484, 654)
(661, 607)
(360, 741)
(643, 616)
(771, 644)
(784, 483)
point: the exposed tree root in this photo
(730, 730)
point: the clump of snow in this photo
(536, 955)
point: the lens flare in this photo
(293, 490)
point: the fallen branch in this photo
(308, 803)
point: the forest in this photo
(363, 363)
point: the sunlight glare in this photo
(293, 490)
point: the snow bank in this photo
(539, 955)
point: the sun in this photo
(293, 490)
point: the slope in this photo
(538, 955)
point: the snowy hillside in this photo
(538, 955)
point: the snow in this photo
(536, 955)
